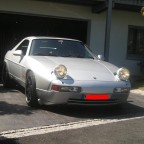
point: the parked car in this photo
(62, 71)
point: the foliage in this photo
(142, 11)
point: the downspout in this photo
(108, 29)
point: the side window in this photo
(23, 46)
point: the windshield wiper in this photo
(44, 54)
(39, 54)
(84, 57)
(90, 57)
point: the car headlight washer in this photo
(60, 71)
(123, 74)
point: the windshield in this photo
(60, 47)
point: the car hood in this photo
(80, 68)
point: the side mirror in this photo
(101, 57)
(17, 53)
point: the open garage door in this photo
(14, 27)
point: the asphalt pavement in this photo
(20, 124)
(127, 132)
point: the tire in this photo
(6, 80)
(30, 90)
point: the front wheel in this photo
(30, 90)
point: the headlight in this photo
(123, 74)
(60, 71)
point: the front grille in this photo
(99, 102)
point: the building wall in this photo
(96, 33)
(119, 38)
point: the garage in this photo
(14, 27)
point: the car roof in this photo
(46, 37)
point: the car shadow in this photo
(16, 88)
(97, 112)
(4, 140)
(8, 107)
(82, 112)
(3, 90)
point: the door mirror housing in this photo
(101, 57)
(17, 53)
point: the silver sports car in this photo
(62, 71)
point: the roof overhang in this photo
(101, 5)
(78, 2)
(97, 5)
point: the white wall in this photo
(119, 27)
(119, 38)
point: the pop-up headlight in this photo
(123, 74)
(60, 71)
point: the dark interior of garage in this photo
(15, 27)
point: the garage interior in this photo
(14, 27)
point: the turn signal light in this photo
(65, 88)
(121, 90)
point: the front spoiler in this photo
(53, 97)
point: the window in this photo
(135, 43)
(23, 46)
(59, 47)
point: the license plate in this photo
(96, 97)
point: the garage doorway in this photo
(15, 27)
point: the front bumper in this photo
(87, 87)
(46, 97)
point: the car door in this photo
(17, 60)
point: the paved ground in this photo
(127, 132)
(70, 124)
(137, 91)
